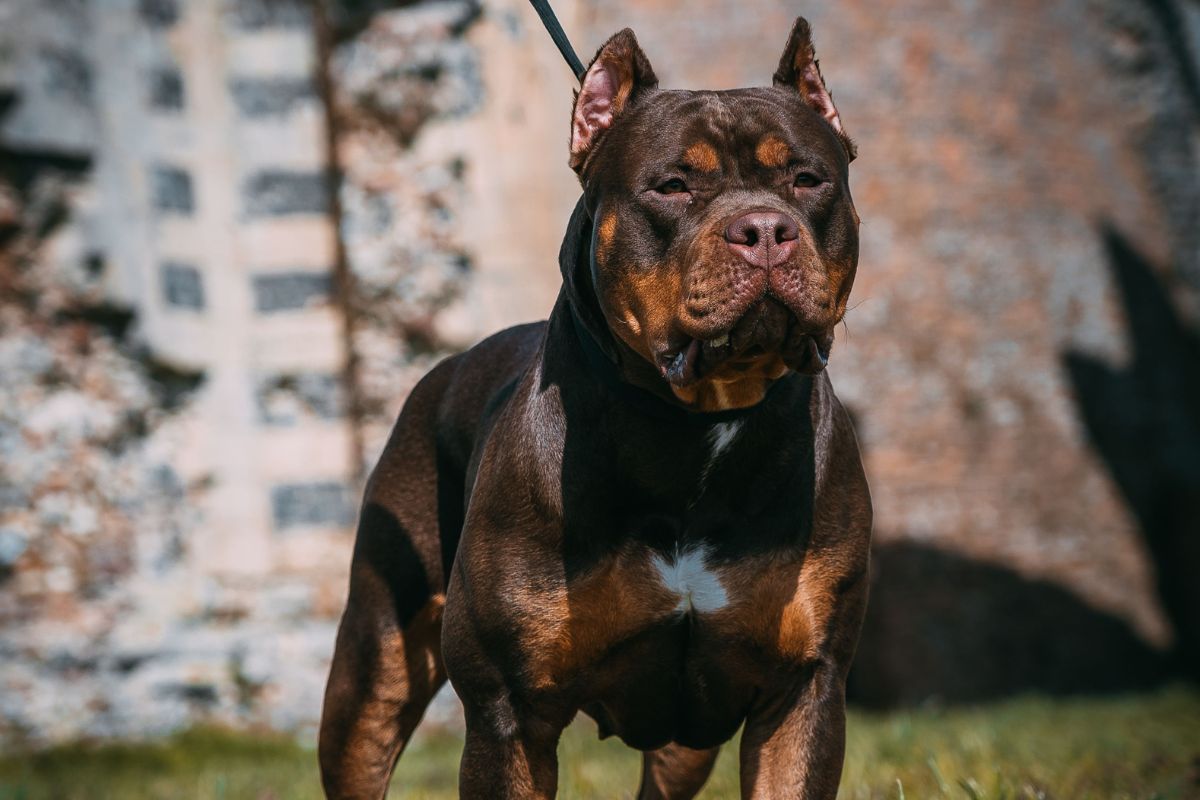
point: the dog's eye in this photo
(673, 186)
(806, 180)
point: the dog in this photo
(650, 507)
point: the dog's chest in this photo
(724, 555)
(658, 643)
(677, 607)
(691, 581)
(683, 583)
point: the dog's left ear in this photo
(619, 71)
(800, 70)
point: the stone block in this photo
(271, 97)
(158, 13)
(290, 291)
(317, 504)
(165, 89)
(67, 74)
(182, 286)
(286, 399)
(254, 15)
(172, 189)
(276, 192)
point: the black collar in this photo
(649, 403)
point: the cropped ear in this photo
(800, 70)
(619, 71)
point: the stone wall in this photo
(180, 462)
(204, 340)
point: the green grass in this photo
(1143, 746)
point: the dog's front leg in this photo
(512, 735)
(794, 741)
(508, 759)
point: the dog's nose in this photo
(763, 238)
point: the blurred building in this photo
(208, 217)
(233, 235)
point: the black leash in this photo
(543, 9)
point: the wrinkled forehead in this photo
(722, 131)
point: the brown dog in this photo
(651, 507)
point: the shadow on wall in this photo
(946, 628)
(942, 626)
(1144, 420)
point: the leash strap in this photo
(543, 9)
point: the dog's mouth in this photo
(767, 329)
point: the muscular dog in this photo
(651, 507)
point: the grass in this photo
(1141, 746)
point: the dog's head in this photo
(724, 240)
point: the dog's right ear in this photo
(619, 71)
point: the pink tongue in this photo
(682, 370)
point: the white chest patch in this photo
(719, 439)
(687, 575)
(721, 436)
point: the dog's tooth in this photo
(720, 341)
(676, 367)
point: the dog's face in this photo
(725, 239)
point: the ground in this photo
(1136, 746)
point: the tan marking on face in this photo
(720, 395)
(772, 151)
(738, 383)
(605, 234)
(701, 157)
(642, 308)
(633, 324)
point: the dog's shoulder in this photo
(465, 389)
(517, 343)
(494, 363)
